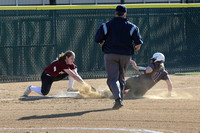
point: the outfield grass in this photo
(188, 73)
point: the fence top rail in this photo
(113, 6)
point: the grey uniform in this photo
(140, 84)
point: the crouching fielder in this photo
(138, 85)
(57, 70)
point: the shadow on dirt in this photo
(34, 98)
(62, 115)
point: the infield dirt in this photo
(155, 112)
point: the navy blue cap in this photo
(121, 9)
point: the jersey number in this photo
(54, 68)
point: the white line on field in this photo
(84, 128)
(27, 98)
(3, 90)
(9, 99)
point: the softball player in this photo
(57, 70)
(138, 85)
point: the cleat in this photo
(93, 89)
(118, 104)
(27, 91)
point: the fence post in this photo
(16, 2)
(43, 3)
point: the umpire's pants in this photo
(116, 66)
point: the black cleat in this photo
(118, 104)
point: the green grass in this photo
(188, 73)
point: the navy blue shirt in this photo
(119, 35)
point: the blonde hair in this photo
(63, 56)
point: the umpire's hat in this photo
(121, 9)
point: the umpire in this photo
(116, 37)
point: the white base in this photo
(69, 94)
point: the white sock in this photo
(71, 80)
(36, 89)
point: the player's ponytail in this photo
(160, 66)
(63, 56)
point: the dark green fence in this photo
(31, 39)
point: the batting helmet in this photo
(158, 57)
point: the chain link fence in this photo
(31, 39)
(87, 2)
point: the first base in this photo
(70, 95)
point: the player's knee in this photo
(44, 92)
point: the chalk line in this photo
(84, 128)
(65, 95)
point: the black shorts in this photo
(47, 81)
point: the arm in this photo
(138, 68)
(149, 70)
(74, 75)
(134, 65)
(100, 37)
(137, 39)
(169, 84)
(77, 77)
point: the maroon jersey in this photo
(57, 67)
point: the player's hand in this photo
(101, 43)
(133, 62)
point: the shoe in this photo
(118, 104)
(72, 89)
(93, 89)
(27, 91)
